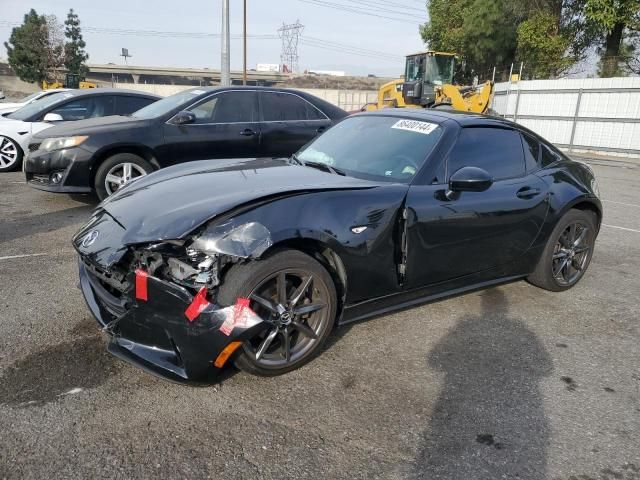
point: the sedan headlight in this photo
(59, 143)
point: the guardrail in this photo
(587, 119)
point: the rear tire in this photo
(117, 164)
(568, 252)
(261, 278)
(10, 155)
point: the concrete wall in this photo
(346, 99)
(583, 115)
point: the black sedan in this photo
(201, 123)
(257, 260)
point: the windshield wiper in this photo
(325, 167)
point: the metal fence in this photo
(597, 115)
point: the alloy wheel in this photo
(8, 152)
(295, 306)
(121, 174)
(571, 253)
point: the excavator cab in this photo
(424, 72)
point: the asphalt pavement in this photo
(508, 383)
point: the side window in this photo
(90, 107)
(285, 107)
(127, 104)
(496, 150)
(548, 157)
(531, 152)
(228, 107)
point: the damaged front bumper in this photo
(163, 328)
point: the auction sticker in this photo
(415, 126)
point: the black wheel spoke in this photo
(558, 271)
(578, 241)
(559, 255)
(304, 329)
(582, 249)
(301, 290)
(308, 308)
(266, 303)
(266, 343)
(281, 288)
(286, 344)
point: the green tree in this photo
(617, 19)
(27, 48)
(74, 53)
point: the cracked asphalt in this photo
(507, 383)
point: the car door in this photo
(288, 122)
(450, 236)
(225, 126)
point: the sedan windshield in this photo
(375, 147)
(28, 98)
(167, 104)
(34, 109)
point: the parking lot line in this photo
(10, 257)
(621, 228)
(622, 203)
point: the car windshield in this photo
(37, 107)
(375, 147)
(432, 69)
(167, 104)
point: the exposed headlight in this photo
(244, 241)
(59, 143)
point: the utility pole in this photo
(244, 44)
(225, 64)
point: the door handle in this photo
(247, 132)
(528, 192)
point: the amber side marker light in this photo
(226, 353)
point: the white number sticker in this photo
(415, 126)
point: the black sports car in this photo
(257, 260)
(197, 124)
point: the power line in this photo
(353, 9)
(384, 6)
(309, 41)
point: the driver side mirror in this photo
(469, 179)
(52, 117)
(183, 118)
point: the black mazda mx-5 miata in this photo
(255, 261)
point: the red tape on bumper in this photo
(141, 284)
(198, 305)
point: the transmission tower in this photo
(290, 35)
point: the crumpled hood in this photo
(172, 202)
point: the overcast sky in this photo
(394, 38)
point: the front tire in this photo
(296, 296)
(568, 252)
(10, 155)
(118, 170)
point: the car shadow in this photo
(28, 225)
(489, 420)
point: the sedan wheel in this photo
(296, 309)
(296, 298)
(571, 253)
(121, 174)
(568, 252)
(10, 155)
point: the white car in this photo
(17, 128)
(9, 107)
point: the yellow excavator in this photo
(428, 83)
(71, 81)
